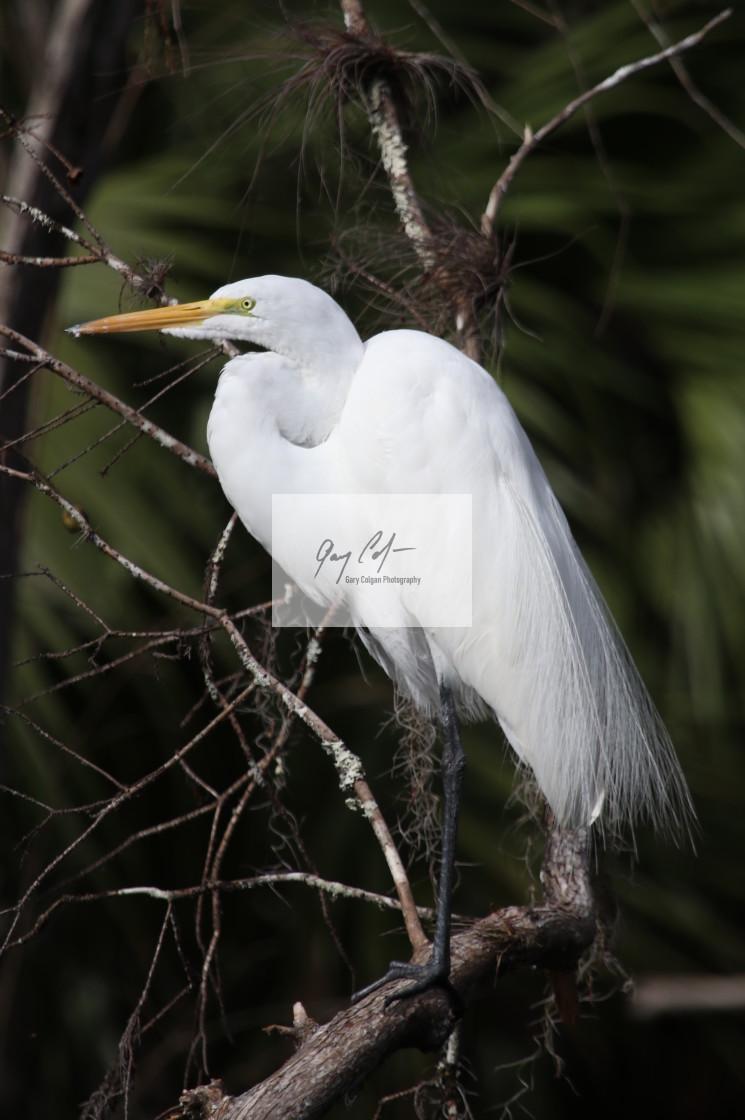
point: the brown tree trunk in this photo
(74, 92)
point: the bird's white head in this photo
(279, 313)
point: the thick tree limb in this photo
(333, 1059)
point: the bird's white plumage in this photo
(406, 412)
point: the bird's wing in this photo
(542, 650)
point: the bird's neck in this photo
(269, 423)
(322, 345)
(307, 395)
(272, 408)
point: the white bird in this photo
(319, 411)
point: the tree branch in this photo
(349, 768)
(335, 1058)
(386, 128)
(532, 139)
(37, 354)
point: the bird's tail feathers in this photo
(592, 734)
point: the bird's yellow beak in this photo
(157, 318)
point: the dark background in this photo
(623, 356)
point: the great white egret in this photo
(319, 411)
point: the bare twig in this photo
(38, 354)
(334, 890)
(531, 140)
(46, 262)
(119, 1077)
(681, 73)
(147, 283)
(348, 766)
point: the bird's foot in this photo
(433, 974)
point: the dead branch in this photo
(386, 128)
(431, 250)
(532, 140)
(329, 888)
(338, 1056)
(348, 766)
(36, 353)
(680, 70)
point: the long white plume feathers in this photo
(589, 730)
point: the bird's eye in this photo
(247, 304)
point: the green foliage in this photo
(623, 355)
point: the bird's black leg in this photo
(437, 969)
